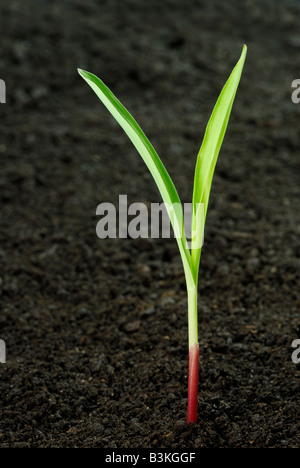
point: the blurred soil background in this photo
(96, 331)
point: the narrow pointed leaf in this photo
(210, 148)
(142, 144)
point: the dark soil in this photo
(96, 331)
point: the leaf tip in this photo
(82, 73)
(245, 49)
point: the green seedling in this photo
(206, 162)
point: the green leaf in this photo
(160, 175)
(209, 151)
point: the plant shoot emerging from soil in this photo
(205, 167)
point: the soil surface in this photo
(96, 330)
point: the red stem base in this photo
(193, 384)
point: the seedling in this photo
(205, 167)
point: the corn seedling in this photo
(206, 162)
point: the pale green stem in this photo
(192, 315)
